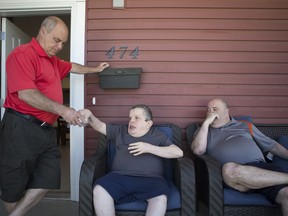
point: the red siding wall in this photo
(191, 51)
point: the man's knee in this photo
(9, 206)
(230, 170)
(282, 197)
(159, 199)
(97, 190)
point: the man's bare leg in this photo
(157, 206)
(103, 202)
(9, 206)
(282, 199)
(244, 177)
(30, 199)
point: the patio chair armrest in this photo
(184, 178)
(209, 172)
(91, 169)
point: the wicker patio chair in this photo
(209, 184)
(182, 176)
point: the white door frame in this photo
(77, 49)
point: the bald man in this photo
(29, 156)
(238, 147)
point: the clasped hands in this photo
(77, 118)
(84, 115)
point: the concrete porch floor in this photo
(50, 207)
(53, 207)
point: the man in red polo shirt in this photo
(29, 156)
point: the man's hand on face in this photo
(211, 117)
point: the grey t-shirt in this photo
(233, 143)
(148, 165)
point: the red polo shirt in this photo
(29, 67)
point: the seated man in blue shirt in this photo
(137, 169)
(238, 147)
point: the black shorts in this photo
(29, 157)
(124, 189)
(270, 192)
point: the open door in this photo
(13, 37)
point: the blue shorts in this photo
(124, 189)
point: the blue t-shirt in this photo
(125, 163)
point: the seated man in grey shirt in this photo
(137, 169)
(238, 147)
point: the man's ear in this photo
(43, 31)
(227, 110)
(150, 123)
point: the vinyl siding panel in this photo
(191, 52)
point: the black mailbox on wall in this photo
(112, 78)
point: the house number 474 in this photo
(123, 50)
